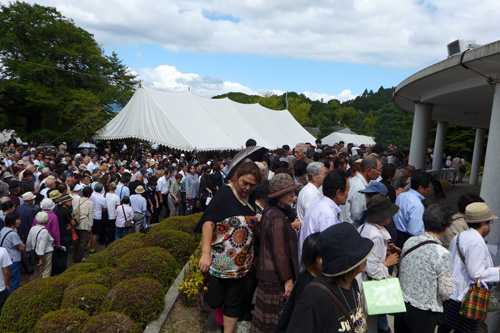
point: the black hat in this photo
(342, 249)
(380, 208)
(14, 184)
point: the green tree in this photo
(54, 75)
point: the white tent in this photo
(189, 122)
(356, 139)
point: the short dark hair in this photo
(388, 171)
(420, 178)
(126, 200)
(11, 218)
(466, 199)
(250, 142)
(318, 141)
(437, 217)
(7, 205)
(299, 168)
(334, 181)
(87, 191)
(310, 250)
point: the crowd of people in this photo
(297, 229)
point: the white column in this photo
(437, 162)
(420, 135)
(490, 186)
(477, 156)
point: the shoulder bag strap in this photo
(36, 238)
(124, 215)
(336, 300)
(1, 244)
(461, 255)
(419, 245)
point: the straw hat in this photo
(478, 212)
(54, 194)
(139, 189)
(28, 196)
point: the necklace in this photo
(357, 322)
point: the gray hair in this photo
(313, 168)
(437, 217)
(262, 167)
(42, 218)
(370, 161)
(301, 146)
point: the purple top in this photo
(52, 227)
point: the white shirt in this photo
(92, 166)
(112, 201)
(42, 244)
(163, 185)
(76, 200)
(5, 261)
(355, 204)
(99, 203)
(380, 237)
(478, 263)
(307, 196)
(321, 215)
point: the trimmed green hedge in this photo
(111, 322)
(104, 276)
(183, 223)
(62, 321)
(87, 298)
(151, 262)
(140, 298)
(121, 247)
(180, 244)
(30, 302)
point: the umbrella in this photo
(45, 145)
(254, 153)
(87, 145)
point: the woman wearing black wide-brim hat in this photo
(332, 301)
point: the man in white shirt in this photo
(352, 211)
(323, 212)
(100, 206)
(163, 187)
(316, 171)
(93, 164)
(5, 262)
(112, 201)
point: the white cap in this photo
(78, 187)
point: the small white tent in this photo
(356, 139)
(189, 122)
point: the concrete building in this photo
(464, 90)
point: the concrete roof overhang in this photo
(460, 96)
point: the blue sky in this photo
(324, 49)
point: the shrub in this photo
(101, 259)
(30, 302)
(121, 247)
(178, 243)
(104, 276)
(183, 223)
(82, 268)
(136, 236)
(139, 298)
(152, 262)
(87, 298)
(63, 321)
(111, 322)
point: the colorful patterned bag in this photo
(475, 303)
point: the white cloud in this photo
(396, 34)
(168, 78)
(345, 95)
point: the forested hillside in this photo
(371, 113)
